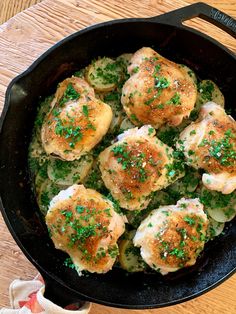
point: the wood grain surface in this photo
(9, 8)
(22, 39)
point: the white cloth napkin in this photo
(26, 297)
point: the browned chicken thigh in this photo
(73, 125)
(210, 144)
(158, 91)
(172, 236)
(135, 166)
(83, 223)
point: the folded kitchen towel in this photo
(26, 297)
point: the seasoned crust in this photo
(135, 166)
(172, 237)
(210, 144)
(84, 224)
(72, 127)
(158, 92)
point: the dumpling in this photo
(158, 91)
(210, 144)
(83, 223)
(135, 166)
(172, 236)
(73, 126)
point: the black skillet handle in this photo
(61, 295)
(202, 10)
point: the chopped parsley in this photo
(82, 228)
(217, 200)
(85, 110)
(80, 209)
(113, 251)
(45, 199)
(112, 96)
(191, 221)
(105, 72)
(223, 149)
(157, 69)
(130, 161)
(168, 135)
(69, 94)
(68, 263)
(179, 253)
(150, 131)
(161, 82)
(44, 107)
(61, 169)
(94, 180)
(206, 89)
(193, 132)
(116, 203)
(175, 100)
(134, 118)
(71, 132)
(177, 167)
(43, 171)
(79, 73)
(136, 69)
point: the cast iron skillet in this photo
(168, 36)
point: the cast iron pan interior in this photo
(166, 34)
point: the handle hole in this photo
(212, 31)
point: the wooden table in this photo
(22, 40)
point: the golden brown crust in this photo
(220, 129)
(180, 244)
(159, 91)
(172, 236)
(216, 151)
(133, 168)
(72, 127)
(79, 84)
(85, 225)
